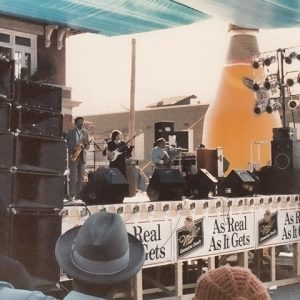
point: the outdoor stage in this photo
(214, 230)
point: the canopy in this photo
(107, 17)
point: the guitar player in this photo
(117, 151)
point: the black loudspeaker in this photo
(40, 154)
(36, 122)
(276, 181)
(182, 139)
(31, 189)
(5, 115)
(30, 238)
(284, 133)
(7, 69)
(163, 129)
(166, 184)
(105, 186)
(240, 183)
(200, 185)
(286, 154)
(38, 95)
(6, 150)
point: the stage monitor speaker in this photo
(284, 133)
(36, 122)
(5, 115)
(40, 154)
(201, 185)
(38, 95)
(7, 74)
(276, 181)
(163, 129)
(31, 237)
(105, 186)
(30, 189)
(286, 154)
(240, 183)
(166, 184)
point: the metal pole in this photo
(132, 92)
(282, 87)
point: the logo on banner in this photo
(190, 236)
(267, 227)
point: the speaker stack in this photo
(283, 177)
(32, 166)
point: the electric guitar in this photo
(114, 154)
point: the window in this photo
(22, 47)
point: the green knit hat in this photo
(230, 283)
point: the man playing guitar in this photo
(118, 151)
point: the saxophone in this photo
(76, 152)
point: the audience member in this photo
(230, 283)
(15, 273)
(99, 256)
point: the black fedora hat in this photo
(100, 251)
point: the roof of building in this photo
(177, 100)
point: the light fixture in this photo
(257, 63)
(291, 81)
(269, 60)
(288, 59)
(270, 84)
(293, 104)
(272, 106)
(256, 86)
(260, 107)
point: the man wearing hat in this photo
(159, 156)
(99, 256)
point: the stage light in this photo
(270, 84)
(288, 59)
(269, 60)
(257, 63)
(293, 104)
(272, 106)
(291, 81)
(260, 107)
(256, 86)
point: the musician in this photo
(117, 151)
(159, 155)
(77, 143)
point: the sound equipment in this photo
(105, 186)
(286, 154)
(166, 184)
(31, 189)
(37, 122)
(239, 183)
(5, 115)
(7, 73)
(6, 149)
(182, 139)
(38, 95)
(30, 238)
(163, 129)
(40, 154)
(200, 185)
(276, 181)
(284, 133)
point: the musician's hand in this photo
(110, 155)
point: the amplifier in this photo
(5, 115)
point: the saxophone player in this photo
(77, 143)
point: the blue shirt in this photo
(7, 291)
(73, 295)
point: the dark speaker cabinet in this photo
(30, 237)
(6, 149)
(286, 154)
(166, 184)
(7, 72)
(5, 115)
(31, 189)
(37, 122)
(40, 154)
(38, 95)
(163, 129)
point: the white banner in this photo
(156, 237)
